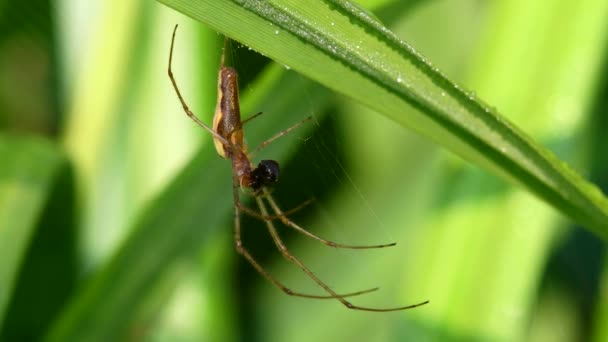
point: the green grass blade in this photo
(185, 211)
(600, 319)
(339, 45)
(29, 167)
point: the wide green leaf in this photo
(28, 171)
(341, 46)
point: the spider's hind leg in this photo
(240, 248)
(286, 221)
(332, 294)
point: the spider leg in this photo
(257, 215)
(277, 136)
(245, 253)
(286, 221)
(290, 257)
(251, 118)
(181, 98)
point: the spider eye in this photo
(267, 173)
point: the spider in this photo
(227, 135)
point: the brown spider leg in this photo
(256, 214)
(281, 216)
(245, 253)
(251, 118)
(290, 257)
(277, 136)
(181, 99)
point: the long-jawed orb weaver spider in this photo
(227, 135)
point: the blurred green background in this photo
(95, 148)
